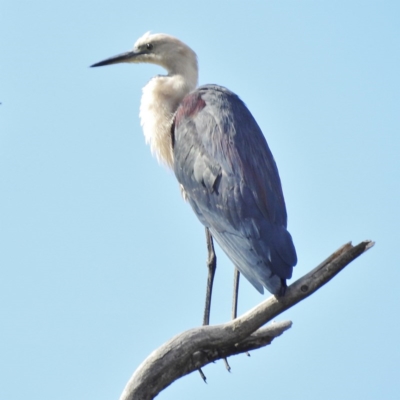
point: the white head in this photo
(161, 49)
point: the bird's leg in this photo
(236, 278)
(212, 265)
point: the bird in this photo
(221, 159)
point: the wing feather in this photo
(223, 161)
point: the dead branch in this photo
(197, 347)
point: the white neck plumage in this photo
(160, 100)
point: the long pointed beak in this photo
(129, 56)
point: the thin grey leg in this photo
(236, 279)
(212, 265)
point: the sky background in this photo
(101, 261)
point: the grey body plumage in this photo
(229, 175)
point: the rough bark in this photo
(198, 347)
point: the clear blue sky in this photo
(101, 260)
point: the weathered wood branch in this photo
(197, 347)
(260, 338)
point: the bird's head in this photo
(161, 49)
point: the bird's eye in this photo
(149, 46)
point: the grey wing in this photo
(223, 162)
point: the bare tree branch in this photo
(197, 347)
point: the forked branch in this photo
(197, 347)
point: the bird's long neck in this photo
(160, 100)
